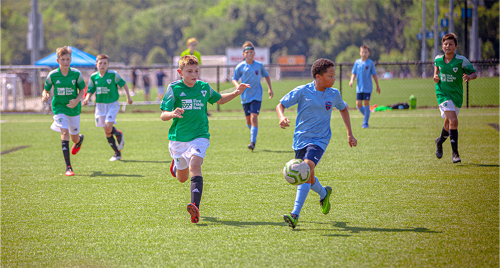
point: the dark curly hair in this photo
(320, 66)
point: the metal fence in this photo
(21, 86)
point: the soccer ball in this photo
(296, 171)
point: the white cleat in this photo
(115, 158)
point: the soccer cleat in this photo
(194, 212)
(325, 202)
(116, 157)
(77, 146)
(365, 126)
(455, 157)
(251, 146)
(291, 220)
(69, 171)
(439, 149)
(173, 170)
(120, 140)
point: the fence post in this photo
(340, 65)
(218, 85)
(467, 95)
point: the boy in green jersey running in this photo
(449, 71)
(68, 87)
(104, 83)
(186, 103)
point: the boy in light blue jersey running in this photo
(312, 129)
(363, 71)
(250, 72)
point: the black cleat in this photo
(456, 158)
(251, 146)
(291, 220)
(439, 149)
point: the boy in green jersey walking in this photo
(104, 83)
(68, 87)
(186, 103)
(449, 71)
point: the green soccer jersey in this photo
(66, 88)
(450, 86)
(194, 121)
(106, 87)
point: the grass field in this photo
(393, 204)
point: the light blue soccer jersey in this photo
(250, 74)
(314, 112)
(364, 71)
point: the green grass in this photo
(393, 203)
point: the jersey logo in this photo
(256, 72)
(328, 105)
(73, 81)
(58, 82)
(455, 69)
(183, 94)
(366, 67)
(109, 81)
(204, 92)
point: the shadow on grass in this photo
(274, 151)
(239, 223)
(100, 174)
(478, 165)
(343, 227)
(144, 161)
(393, 127)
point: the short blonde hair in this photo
(247, 44)
(187, 60)
(191, 40)
(364, 47)
(102, 57)
(61, 51)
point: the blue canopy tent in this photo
(79, 59)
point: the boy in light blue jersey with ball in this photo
(312, 129)
(250, 72)
(363, 70)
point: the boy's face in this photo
(102, 65)
(189, 74)
(64, 61)
(249, 54)
(449, 46)
(192, 46)
(328, 78)
(364, 53)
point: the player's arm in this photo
(376, 82)
(166, 115)
(235, 83)
(436, 74)
(129, 99)
(72, 103)
(269, 87)
(468, 77)
(347, 122)
(283, 120)
(45, 95)
(353, 76)
(87, 98)
(224, 98)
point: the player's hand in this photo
(45, 97)
(241, 88)
(72, 103)
(350, 83)
(378, 90)
(466, 78)
(284, 122)
(85, 102)
(177, 112)
(352, 141)
(271, 93)
(129, 100)
(436, 78)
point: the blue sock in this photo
(318, 188)
(362, 110)
(300, 198)
(367, 114)
(249, 126)
(253, 134)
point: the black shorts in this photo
(363, 96)
(311, 152)
(252, 107)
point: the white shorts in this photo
(448, 106)
(106, 112)
(182, 152)
(71, 123)
(161, 90)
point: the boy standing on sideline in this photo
(449, 71)
(134, 81)
(104, 83)
(191, 50)
(145, 79)
(186, 103)
(363, 70)
(312, 129)
(250, 72)
(159, 79)
(68, 87)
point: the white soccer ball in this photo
(296, 171)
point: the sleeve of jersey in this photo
(354, 69)
(291, 98)
(263, 71)
(374, 71)
(119, 80)
(168, 100)
(339, 102)
(80, 82)
(467, 66)
(214, 96)
(48, 83)
(91, 86)
(236, 75)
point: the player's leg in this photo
(108, 129)
(246, 108)
(65, 150)
(359, 103)
(254, 120)
(74, 130)
(198, 150)
(313, 156)
(366, 109)
(453, 126)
